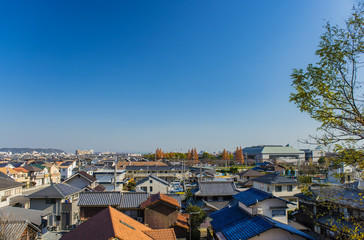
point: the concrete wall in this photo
(277, 234)
(55, 209)
(4, 201)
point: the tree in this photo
(197, 215)
(189, 155)
(206, 155)
(225, 155)
(330, 91)
(239, 155)
(195, 155)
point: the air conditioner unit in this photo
(140, 219)
(259, 210)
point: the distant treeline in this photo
(25, 150)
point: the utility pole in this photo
(116, 163)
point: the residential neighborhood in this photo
(182, 120)
(202, 199)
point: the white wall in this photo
(277, 234)
(156, 185)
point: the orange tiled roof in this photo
(111, 223)
(21, 169)
(165, 234)
(8, 170)
(159, 197)
(182, 220)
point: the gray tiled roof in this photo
(274, 179)
(31, 215)
(100, 199)
(6, 183)
(216, 188)
(122, 200)
(250, 173)
(59, 190)
(133, 199)
(14, 229)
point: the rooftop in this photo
(111, 223)
(216, 188)
(274, 179)
(60, 190)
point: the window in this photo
(50, 201)
(144, 189)
(7, 193)
(289, 188)
(278, 212)
(278, 188)
(150, 189)
(58, 218)
(150, 181)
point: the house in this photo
(123, 165)
(105, 177)
(38, 175)
(66, 169)
(8, 189)
(18, 230)
(152, 184)
(23, 176)
(244, 177)
(279, 186)
(217, 190)
(61, 200)
(91, 203)
(268, 167)
(161, 211)
(255, 201)
(167, 173)
(18, 176)
(234, 222)
(214, 195)
(85, 181)
(332, 210)
(54, 172)
(113, 224)
(129, 203)
(36, 217)
(342, 175)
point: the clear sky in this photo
(136, 75)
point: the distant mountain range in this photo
(25, 150)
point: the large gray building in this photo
(275, 153)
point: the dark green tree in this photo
(197, 215)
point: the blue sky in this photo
(137, 75)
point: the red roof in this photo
(157, 198)
(111, 223)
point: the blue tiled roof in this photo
(237, 224)
(252, 196)
(227, 216)
(246, 228)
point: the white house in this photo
(8, 189)
(257, 215)
(279, 186)
(105, 176)
(152, 184)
